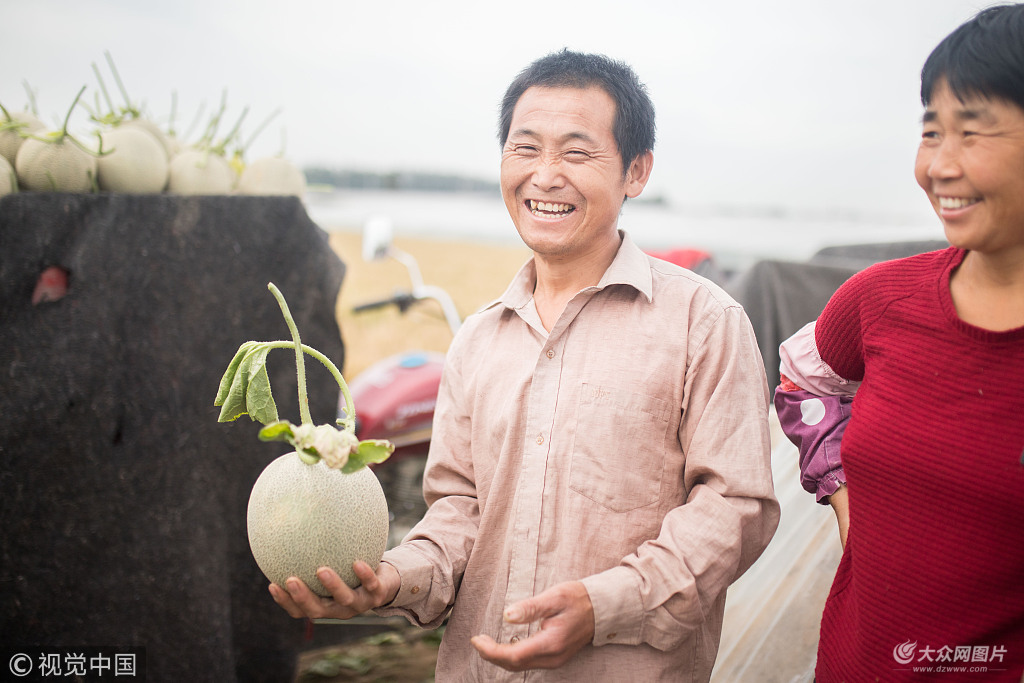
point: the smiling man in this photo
(599, 471)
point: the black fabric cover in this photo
(122, 499)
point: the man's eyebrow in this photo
(523, 132)
(568, 137)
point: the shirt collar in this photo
(630, 267)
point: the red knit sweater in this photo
(934, 460)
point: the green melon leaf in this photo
(245, 387)
(370, 452)
(280, 430)
(259, 400)
(229, 374)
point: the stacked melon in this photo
(131, 154)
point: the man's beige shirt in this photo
(627, 448)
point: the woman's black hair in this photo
(984, 57)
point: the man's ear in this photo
(639, 173)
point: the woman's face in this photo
(971, 165)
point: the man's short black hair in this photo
(634, 128)
(984, 57)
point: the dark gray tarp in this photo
(780, 297)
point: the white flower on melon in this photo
(319, 505)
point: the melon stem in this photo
(348, 423)
(300, 361)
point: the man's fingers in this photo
(533, 609)
(310, 603)
(367, 577)
(299, 601)
(282, 598)
(508, 656)
(539, 651)
(542, 606)
(521, 613)
(339, 590)
(371, 593)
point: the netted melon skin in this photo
(302, 517)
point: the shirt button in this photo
(551, 353)
(414, 590)
(514, 639)
(540, 439)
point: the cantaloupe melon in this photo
(13, 130)
(302, 517)
(8, 179)
(200, 172)
(54, 165)
(272, 176)
(153, 129)
(136, 162)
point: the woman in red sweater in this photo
(906, 398)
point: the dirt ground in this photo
(404, 654)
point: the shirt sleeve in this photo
(433, 557)
(661, 593)
(815, 424)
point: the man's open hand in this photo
(567, 625)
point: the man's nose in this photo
(548, 172)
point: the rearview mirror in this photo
(376, 238)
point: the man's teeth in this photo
(955, 202)
(549, 207)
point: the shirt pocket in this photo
(617, 447)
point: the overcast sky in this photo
(794, 103)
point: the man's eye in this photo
(529, 150)
(576, 155)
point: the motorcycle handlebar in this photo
(402, 300)
(405, 300)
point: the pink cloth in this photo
(815, 413)
(628, 448)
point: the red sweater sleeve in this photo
(838, 332)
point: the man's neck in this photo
(559, 280)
